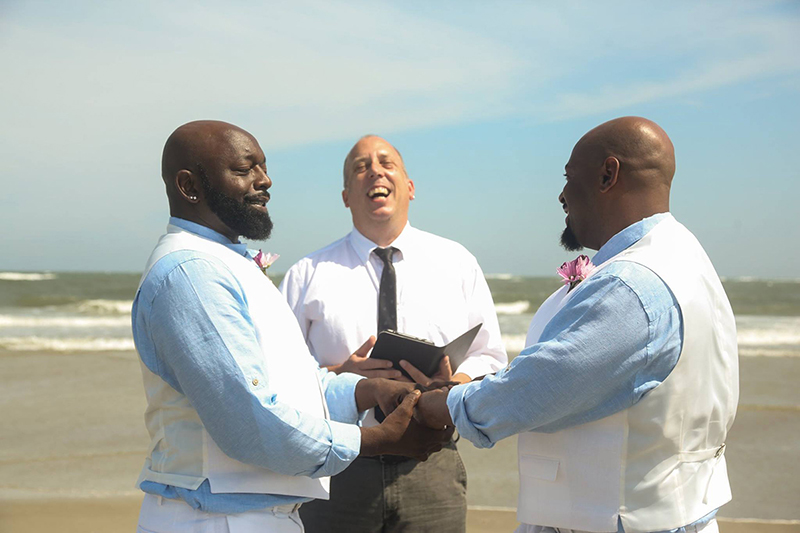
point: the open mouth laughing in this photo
(378, 192)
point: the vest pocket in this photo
(538, 467)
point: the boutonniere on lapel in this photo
(265, 260)
(575, 271)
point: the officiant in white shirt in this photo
(386, 274)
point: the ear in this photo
(187, 184)
(345, 199)
(610, 174)
(410, 184)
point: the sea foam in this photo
(20, 321)
(121, 307)
(26, 276)
(66, 344)
(512, 308)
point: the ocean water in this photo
(90, 312)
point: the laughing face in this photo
(377, 189)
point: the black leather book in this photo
(421, 353)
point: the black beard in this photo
(242, 218)
(569, 241)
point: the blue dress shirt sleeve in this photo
(198, 320)
(618, 337)
(340, 396)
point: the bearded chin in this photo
(569, 241)
(242, 218)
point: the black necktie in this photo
(387, 301)
(387, 297)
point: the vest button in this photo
(255, 381)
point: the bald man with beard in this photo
(244, 424)
(628, 386)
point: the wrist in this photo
(336, 369)
(373, 441)
(365, 394)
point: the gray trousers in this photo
(379, 496)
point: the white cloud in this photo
(316, 71)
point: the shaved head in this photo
(643, 149)
(349, 159)
(619, 173)
(196, 143)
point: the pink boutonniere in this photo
(264, 261)
(575, 271)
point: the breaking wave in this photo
(512, 308)
(104, 307)
(26, 276)
(68, 344)
(20, 321)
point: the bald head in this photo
(355, 149)
(619, 173)
(644, 150)
(198, 142)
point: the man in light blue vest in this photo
(628, 386)
(244, 425)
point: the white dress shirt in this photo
(441, 293)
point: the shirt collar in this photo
(363, 246)
(207, 233)
(627, 237)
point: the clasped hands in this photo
(418, 422)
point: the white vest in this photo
(182, 452)
(658, 465)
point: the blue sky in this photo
(484, 100)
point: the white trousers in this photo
(709, 527)
(160, 515)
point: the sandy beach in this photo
(73, 441)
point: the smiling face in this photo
(377, 189)
(235, 184)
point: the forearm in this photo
(365, 395)
(206, 346)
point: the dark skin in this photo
(233, 161)
(235, 165)
(618, 174)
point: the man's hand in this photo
(399, 434)
(443, 376)
(432, 409)
(386, 393)
(359, 363)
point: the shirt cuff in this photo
(340, 393)
(456, 404)
(345, 447)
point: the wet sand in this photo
(73, 441)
